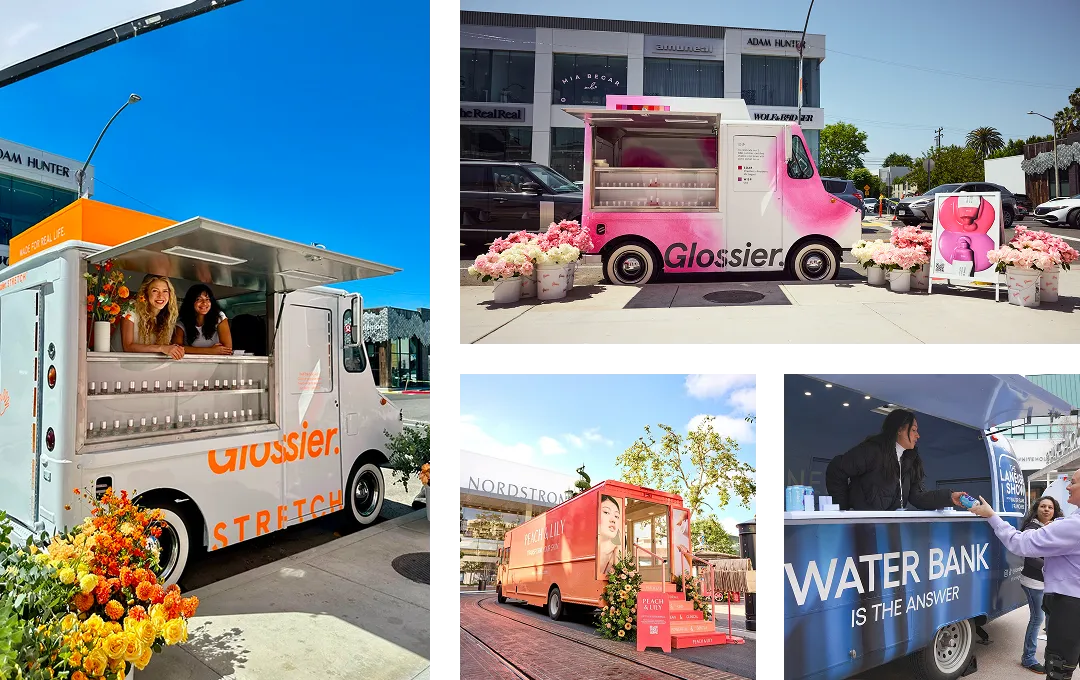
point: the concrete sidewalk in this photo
(341, 610)
(843, 311)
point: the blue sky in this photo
(1003, 58)
(309, 125)
(547, 421)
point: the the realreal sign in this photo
(516, 114)
(775, 42)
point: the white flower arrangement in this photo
(559, 255)
(864, 252)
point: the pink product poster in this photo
(966, 227)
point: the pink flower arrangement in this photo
(1030, 255)
(501, 244)
(906, 259)
(494, 266)
(1055, 245)
(566, 233)
(912, 237)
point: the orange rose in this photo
(144, 590)
(157, 594)
(138, 612)
(83, 602)
(188, 607)
(78, 675)
(107, 287)
(123, 292)
(115, 309)
(90, 299)
(114, 610)
(172, 589)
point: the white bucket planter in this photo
(102, 336)
(551, 280)
(899, 281)
(507, 290)
(875, 276)
(1023, 286)
(1048, 287)
(528, 285)
(920, 280)
(571, 270)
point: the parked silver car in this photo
(919, 209)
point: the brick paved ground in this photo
(478, 663)
(547, 651)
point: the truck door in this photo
(20, 406)
(753, 201)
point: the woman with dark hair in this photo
(202, 327)
(885, 472)
(609, 530)
(1042, 512)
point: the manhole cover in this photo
(414, 566)
(734, 297)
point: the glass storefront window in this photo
(490, 143)
(586, 79)
(684, 78)
(568, 152)
(23, 204)
(774, 81)
(497, 76)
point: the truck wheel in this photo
(175, 543)
(365, 493)
(947, 656)
(499, 595)
(555, 605)
(813, 261)
(1074, 219)
(630, 264)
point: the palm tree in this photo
(1065, 121)
(1074, 99)
(985, 140)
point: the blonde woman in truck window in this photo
(149, 327)
(610, 534)
(202, 328)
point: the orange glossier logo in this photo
(292, 446)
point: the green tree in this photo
(902, 160)
(716, 538)
(951, 164)
(1067, 121)
(1015, 147)
(409, 450)
(842, 147)
(694, 466)
(863, 177)
(489, 525)
(985, 141)
(583, 484)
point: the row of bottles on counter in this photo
(656, 183)
(96, 388)
(654, 202)
(155, 424)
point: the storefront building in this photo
(1038, 167)
(519, 71)
(398, 343)
(34, 184)
(497, 495)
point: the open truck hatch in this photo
(211, 252)
(666, 120)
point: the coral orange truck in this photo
(564, 555)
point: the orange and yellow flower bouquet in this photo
(107, 295)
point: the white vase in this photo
(920, 280)
(900, 281)
(1023, 286)
(102, 336)
(507, 290)
(551, 281)
(528, 285)
(875, 276)
(1048, 287)
(571, 270)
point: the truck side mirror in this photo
(789, 153)
(357, 309)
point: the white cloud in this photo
(729, 524)
(551, 447)
(727, 426)
(474, 438)
(575, 441)
(712, 386)
(593, 435)
(744, 400)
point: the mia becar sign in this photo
(859, 593)
(47, 33)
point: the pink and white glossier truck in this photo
(670, 187)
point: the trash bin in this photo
(480, 585)
(748, 551)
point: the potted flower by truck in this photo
(914, 237)
(1056, 246)
(901, 263)
(864, 253)
(504, 269)
(1023, 263)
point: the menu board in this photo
(751, 163)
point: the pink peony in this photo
(912, 237)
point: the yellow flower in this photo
(133, 649)
(87, 583)
(147, 631)
(95, 663)
(41, 558)
(69, 622)
(114, 647)
(143, 659)
(93, 625)
(126, 528)
(157, 615)
(622, 634)
(175, 631)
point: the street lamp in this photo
(81, 174)
(802, 44)
(1057, 180)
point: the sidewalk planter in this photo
(920, 280)
(1048, 286)
(875, 276)
(551, 280)
(528, 285)
(507, 290)
(1023, 286)
(102, 336)
(900, 281)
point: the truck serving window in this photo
(799, 167)
(354, 356)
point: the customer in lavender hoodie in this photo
(1059, 544)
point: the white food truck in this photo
(229, 447)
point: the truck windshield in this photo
(554, 180)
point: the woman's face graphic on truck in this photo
(610, 519)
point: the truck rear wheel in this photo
(631, 263)
(365, 493)
(813, 261)
(499, 595)
(948, 656)
(555, 605)
(175, 544)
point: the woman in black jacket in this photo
(884, 472)
(1042, 512)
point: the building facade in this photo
(398, 343)
(1038, 167)
(518, 73)
(34, 184)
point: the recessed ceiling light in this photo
(828, 384)
(846, 404)
(866, 397)
(806, 393)
(215, 258)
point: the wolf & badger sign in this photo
(848, 598)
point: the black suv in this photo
(501, 197)
(844, 189)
